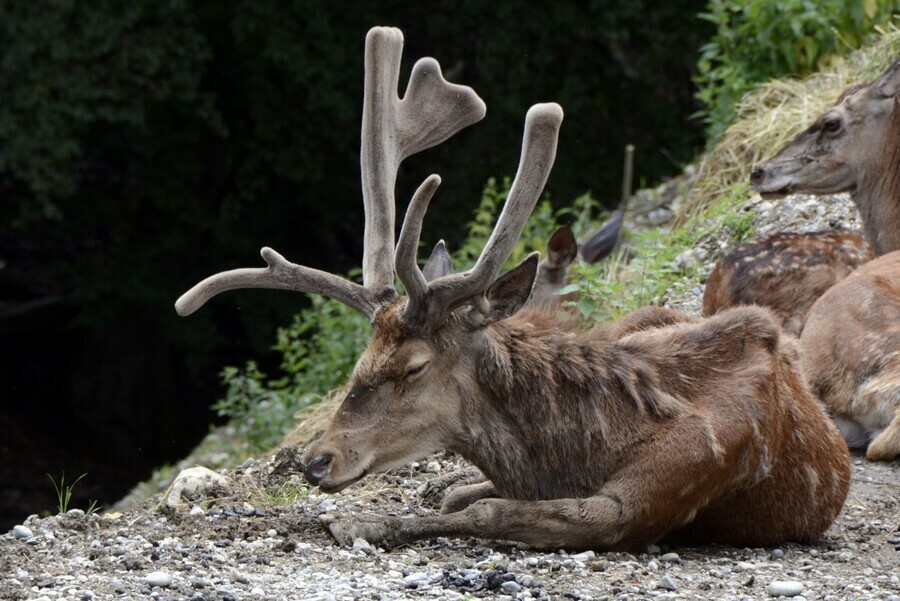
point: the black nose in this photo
(757, 175)
(318, 468)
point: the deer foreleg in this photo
(886, 445)
(596, 522)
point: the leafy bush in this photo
(756, 40)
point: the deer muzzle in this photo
(318, 468)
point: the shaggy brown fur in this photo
(785, 272)
(661, 425)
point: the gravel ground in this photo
(261, 539)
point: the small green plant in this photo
(756, 40)
(64, 492)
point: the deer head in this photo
(854, 147)
(406, 387)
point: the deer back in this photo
(785, 272)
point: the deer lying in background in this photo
(852, 147)
(850, 355)
(786, 272)
(662, 425)
(563, 250)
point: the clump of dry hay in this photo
(774, 113)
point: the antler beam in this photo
(431, 111)
(538, 153)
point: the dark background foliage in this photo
(147, 144)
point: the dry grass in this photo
(774, 113)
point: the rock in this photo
(22, 532)
(361, 544)
(785, 588)
(666, 583)
(75, 513)
(744, 566)
(584, 556)
(510, 587)
(670, 558)
(777, 554)
(653, 549)
(158, 579)
(415, 579)
(191, 484)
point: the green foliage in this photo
(64, 493)
(612, 288)
(757, 40)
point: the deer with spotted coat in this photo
(847, 327)
(661, 425)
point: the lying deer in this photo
(786, 272)
(850, 355)
(662, 425)
(563, 249)
(852, 147)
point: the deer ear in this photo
(602, 242)
(510, 291)
(438, 264)
(561, 247)
(888, 83)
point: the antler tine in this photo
(431, 111)
(283, 275)
(538, 153)
(408, 244)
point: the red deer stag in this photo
(850, 355)
(590, 438)
(852, 147)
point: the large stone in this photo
(194, 484)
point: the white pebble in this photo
(785, 588)
(670, 557)
(666, 583)
(22, 532)
(158, 579)
(197, 510)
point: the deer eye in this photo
(831, 125)
(415, 369)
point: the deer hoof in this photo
(375, 530)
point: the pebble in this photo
(666, 583)
(158, 579)
(22, 532)
(744, 566)
(510, 587)
(584, 556)
(532, 561)
(670, 557)
(785, 588)
(777, 554)
(653, 549)
(416, 579)
(197, 510)
(361, 544)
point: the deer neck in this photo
(878, 194)
(540, 422)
